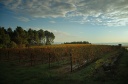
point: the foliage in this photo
(8, 37)
(12, 44)
(99, 63)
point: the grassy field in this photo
(12, 72)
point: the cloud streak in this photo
(52, 22)
(96, 12)
(24, 19)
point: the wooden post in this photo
(31, 59)
(49, 60)
(19, 57)
(8, 55)
(42, 59)
(71, 61)
(5, 57)
(0, 57)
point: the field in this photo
(60, 64)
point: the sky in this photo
(96, 21)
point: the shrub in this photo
(12, 44)
(99, 63)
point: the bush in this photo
(12, 44)
(99, 63)
(3, 46)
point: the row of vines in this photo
(74, 55)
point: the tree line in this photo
(77, 42)
(20, 38)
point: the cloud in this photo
(52, 21)
(103, 12)
(96, 12)
(24, 19)
(33, 27)
(40, 8)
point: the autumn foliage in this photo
(78, 54)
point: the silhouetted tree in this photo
(4, 37)
(36, 37)
(41, 36)
(49, 37)
(78, 42)
(30, 36)
(19, 36)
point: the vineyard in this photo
(65, 63)
(72, 56)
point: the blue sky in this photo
(96, 21)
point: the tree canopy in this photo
(13, 38)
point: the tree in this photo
(36, 38)
(30, 36)
(4, 37)
(41, 36)
(49, 37)
(10, 32)
(46, 37)
(20, 37)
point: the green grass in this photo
(11, 73)
(120, 74)
(122, 70)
